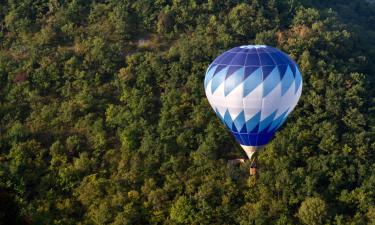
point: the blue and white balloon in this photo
(253, 89)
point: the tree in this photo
(313, 210)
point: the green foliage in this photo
(313, 211)
(103, 117)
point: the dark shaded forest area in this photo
(104, 120)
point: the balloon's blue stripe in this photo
(253, 139)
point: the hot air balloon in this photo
(253, 89)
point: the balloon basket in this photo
(253, 169)
(238, 162)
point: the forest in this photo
(104, 119)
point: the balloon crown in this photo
(253, 46)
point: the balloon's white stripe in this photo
(234, 101)
(252, 103)
(286, 100)
(271, 102)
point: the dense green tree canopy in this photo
(103, 117)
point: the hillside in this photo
(104, 120)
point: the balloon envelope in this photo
(253, 88)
